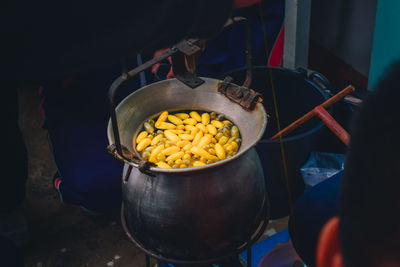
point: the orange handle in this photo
(332, 124)
(349, 89)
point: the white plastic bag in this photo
(321, 166)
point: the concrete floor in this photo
(62, 235)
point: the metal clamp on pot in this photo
(244, 96)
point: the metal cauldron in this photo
(193, 213)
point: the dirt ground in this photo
(62, 235)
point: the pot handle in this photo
(117, 150)
(177, 52)
(249, 46)
(319, 79)
(325, 85)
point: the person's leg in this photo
(15, 172)
(10, 254)
(12, 181)
(89, 176)
(311, 212)
(76, 113)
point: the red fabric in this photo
(276, 55)
(244, 3)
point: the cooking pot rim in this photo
(211, 165)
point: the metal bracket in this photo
(125, 154)
(183, 69)
(245, 97)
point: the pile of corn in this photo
(187, 139)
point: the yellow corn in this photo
(163, 165)
(199, 151)
(160, 157)
(163, 117)
(176, 131)
(195, 131)
(182, 143)
(147, 126)
(190, 128)
(170, 150)
(226, 131)
(175, 156)
(175, 120)
(219, 150)
(195, 116)
(205, 140)
(223, 140)
(211, 129)
(171, 136)
(234, 146)
(217, 124)
(155, 152)
(187, 147)
(205, 118)
(201, 127)
(218, 136)
(145, 155)
(231, 140)
(186, 137)
(235, 131)
(197, 138)
(143, 144)
(141, 136)
(198, 163)
(186, 156)
(212, 158)
(165, 125)
(182, 116)
(149, 149)
(226, 122)
(229, 148)
(190, 121)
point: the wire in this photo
(274, 98)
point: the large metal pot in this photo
(193, 213)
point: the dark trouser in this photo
(10, 254)
(311, 212)
(15, 169)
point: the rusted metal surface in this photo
(245, 97)
(125, 155)
(189, 47)
(129, 156)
